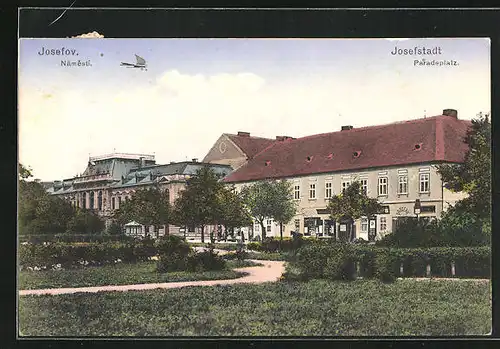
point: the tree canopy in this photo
(269, 200)
(353, 204)
(42, 213)
(473, 176)
(197, 204)
(232, 212)
(147, 206)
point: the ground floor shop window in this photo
(383, 224)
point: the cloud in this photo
(179, 116)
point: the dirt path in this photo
(270, 271)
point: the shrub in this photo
(337, 261)
(238, 255)
(310, 260)
(205, 261)
(254, 246)
(366, 259)
(386, 264)
(340, 265)
(173, 254)
(73, 255)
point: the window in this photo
(119, 201)
(424, 182)
(364, 186)
(364, 225)
(91, 203)
(382, 186)
(428, 209)
(403, 184)
(112, 203)
(328, 190)
(383, 224)
(312, 191)
(99, 201)
(296, 192)
(257, 227)
(345, 185)
(268, 227)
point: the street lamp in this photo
(416, 208)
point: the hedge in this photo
(175, 254)
(286, 245)
(341, 261)
(70, 238)
(72, 255)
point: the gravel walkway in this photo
(270, 271)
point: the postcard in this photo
(254, 187)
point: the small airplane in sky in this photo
(140, 63)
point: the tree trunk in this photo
(281, 234)
(263, 230)
(203, 234)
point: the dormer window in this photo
(356, 154)
(417, 146)
(309, 158)
(268, 163)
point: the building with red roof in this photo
(394, 162)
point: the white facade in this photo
(396, 188)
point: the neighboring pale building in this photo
(110, 180)
(236, 150)
(395, 163)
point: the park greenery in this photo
(271, 199)
(316, 308)
(150, 207)
(473, 176)
(116, 274)
(351, 205)
(41, 213)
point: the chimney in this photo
(194, 160)
(243, 134)
(346, 128)
(451, 112)
(142, 162)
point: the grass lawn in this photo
(315, 308)
(119, 274)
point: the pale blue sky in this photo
(196, 89)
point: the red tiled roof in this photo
(440, 139)
(251, 145)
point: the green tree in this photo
(269, 199)
(85, 221)
(150, 207)
(473, 176)
(285, 207)
(24, 172)
(38, 211)
(352, 204)
(197, 205)
(232, 212)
